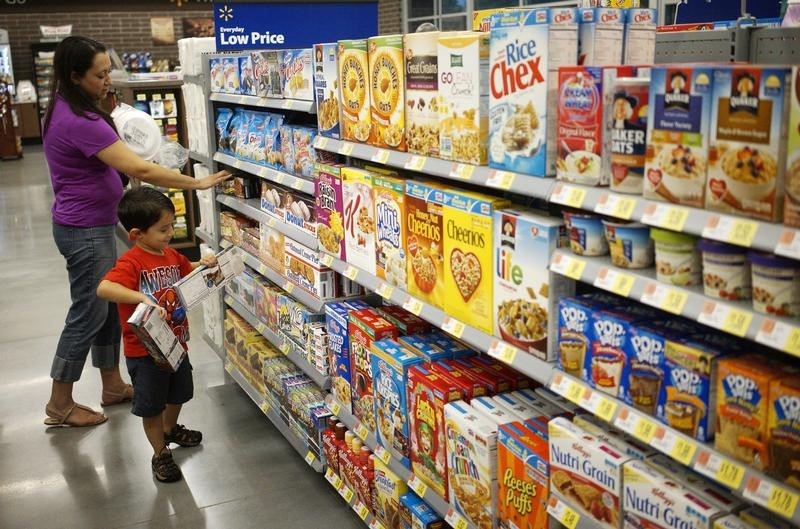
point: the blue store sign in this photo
(247, 26)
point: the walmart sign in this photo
(246, 25)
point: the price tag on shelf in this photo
(416, 163)
(383, 454)
(271, 221)
(380, 156)
(725, 317)
(351, 272)
(335, 407)
(568, 266)
(261, 328)
(730, 229)
(563, 513)
(568, 195)
(455, 520)
(310, 457)
(665, 298)
(375, 524)
(262, 269)
(361, 510)
(599, 405)
(346, 149)
(228, 366)
(346, 493)
(665, 216)
(286, 345)
(615, 206)
(501, 179)
(288, 287)
(559, 384)
(326, 259)
(617, 282)
(361, 430)
(287, 104)
(453, 326)
(779, 335)
(237, 164)
(720, 468)
(674, 445)
(280, 177)
(416, 484)
(321, 142)
(773, 497)
(265, 406)
(413, 305)
(384, 290)
(503, 351)
(462, 171)
(789, 243)
(329, 474)
(337, 482)
(575, 393)
(636, 424)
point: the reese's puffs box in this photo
(522, 477)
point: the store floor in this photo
(243, 475)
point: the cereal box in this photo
(482, 18)
(495, 381)
(791, 213)
(424, 242)
(575, 331)
(434, 346)
(359, 218)
(389, 487)
(579, 125)
(709, 492)
(468, 256)
(422, 92)
(601, 33)
(387, 91)
(731, 522)
(494, 410)
(640, 36)
(230, 74)
(336, 319)
(525, 291)
(329, 206)
(389, 194)
(354, 90)
(464, 96)
(653, 500)
(677, 134)
(518, 92)
(522, 477)
(749, 112)
(272, 247)
(472, 460)
(390, 364)
(518, 380)
(470, 387)
(427, 394)
(643, 374)
(365, 327)
(784, 429)
(762, 519)
(326, 89)
(405, 322)
(586, 472)
(304, 270)
(273, 198)
(627, 133)
(297, 74)
(416, 514)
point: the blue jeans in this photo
(92, 323)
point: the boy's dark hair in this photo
(142, 207)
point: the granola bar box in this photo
(749, 116)
(326, 89)
(359, 218)
(389, 195)
(387, 91)
(329, 207)
(424, 242)
(791, 208)
(336, 321)
(422, 92)
(522, 477)
(354, 90)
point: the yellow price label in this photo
(288, 287)
(385, 290)
(326, 259)
(238, 164)
(622, 285)
(350, 272)
(674, 301)
(265, 406)
(337, 482)
(381, 156)
(455, 520)
(413, 305)
(261, 328)
(623, 208)
(462, 171)
(730, 474)
(228, 366)
(453, 326)
(743, 232)
(574, 197)
(503, 351)
(310, 457)
(574, 393)
(285, 346)
(683, 451)
(335, 407)
(280, 177)
(361, 430)
(737, 322)
(346, 149)
(383, 454)
(287, 103)
(782, 501)
(329, 474)
(675, 218)
(347, 494)
(271, 221)
(321, 143)
(574, 268)
(417, 486)
(501, 179)
(605, 409)
(569, 518)
(416, 163)
(361, 510)
(644, 430)
(792, 344)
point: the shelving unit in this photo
(207, 238)
(252, 208)
(214, 347)
(267, 173)
(266, 102)
(202, 158)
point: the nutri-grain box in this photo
(422, 92)
(354, 90)
(387, 91)
(464, 96)
(326, 89)
(601, 35)
(336, 320)
(678, 126)
(424, 242)
(329, 207)
(791, 210)
(389, 194)
(359, 218)
(784, 429)
(640, 36)
(748, 141)
(297, 74)
(522, 477)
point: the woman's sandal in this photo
(61, 418)
(110, 398)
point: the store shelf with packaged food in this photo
(269, 410)
(202, 158)
(568, 516)
(252, 208)
(207, 238)
(268, 173)
(461, 172)
(733, 317)
(265, 102)
(286, 345)
(744, 480)
(392, 459)
(352, 500)
(522, 361)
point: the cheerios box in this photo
(389, 194)
(354, 90)
(424, 242)
(749, 117)
(387, 91)
(326, 89)
(678, 127)
(336, 320)
(464, 96)
(422, 92)
(522, 477)
(390, 364)
(526, 293)
(359, 218)
(329, 207)
(297, 74)
(791, 208)
(468, 257)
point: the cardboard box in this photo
(266, 302)
(495, 411)
(267, 70)
(204, 281)
(157, 336)
(731, 522)
(389, 194)
(405, 322)
(354, 90)
(435, 346)
(643, 374)
(579, 125)
(470, 387)
(273, 199)
(575, 331)
(359, 218)
(272, 247)
(640, 36)
(422, 92)
(387, 91)
(522, 477)
(416, 514)
(297, 74)
(791, 210)
(326, 89)
(601, 35)
(563, 51)
(762, 519)
(304, 270)
(329, 205)
(784, 429)
(300, 212)
(424, 242)
(482, 18)
(336, 320)
(707, 491)
(619, 440)
(389, 488)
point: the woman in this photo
(85, 157)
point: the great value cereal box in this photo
(748, 141)
(387, 91)
(354, 90)
(640, 36)
(464, 97)
(422, 92)
(784, 429)
(522, 477)
(791, 209)
(586, 472)
(359, 218)
(468, 257)
(678, 121)
(329, 207)
(336, 320)
(326, 89)
(389, 488)
(601, 33)
(424, 242)
(525, 291)
(390, 237)
(297, 74)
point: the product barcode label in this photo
(720, 469)
(503, 351)
(462, 171)
(615, 206)
(774, 497)
(730, 229)
(674, 445)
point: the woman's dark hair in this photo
(74, 55)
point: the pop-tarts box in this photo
(326, 89)
(339, 347)
(643, 374)
(600, 36)
(390, 363)
(297, 74)
(575, 331)
(640, 36)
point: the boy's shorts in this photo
(154, 387)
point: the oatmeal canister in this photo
(629, 134)
(776, 284)
(677, 257)
(726, 270)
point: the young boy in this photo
(146, 273)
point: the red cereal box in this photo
(494, 380)
(470, 387)
(519, 381)
(405, 322)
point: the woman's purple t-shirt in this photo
(87, 191)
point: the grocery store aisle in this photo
(243, 475)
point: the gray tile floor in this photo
(243, 475)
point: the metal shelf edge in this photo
(267, 173)
(248, 209)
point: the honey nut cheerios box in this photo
(464, 97)
(422, 92)
(791, 208)
(784, 429)
(329, 207)
(326, 89)
(297, 74)
(424, 242)
(389, 194)
(523, 484)
(359, 218)
(387, 91)
(354, 90)
(468, 257)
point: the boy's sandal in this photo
(111, 398)
(183, 436)
(164, 467)
(62, 418)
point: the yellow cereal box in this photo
(482, 19)
(387, 91)
(390, 212)
(784, 429)
(468, 252)
(354, 90)
(424, 263)
(359, 218)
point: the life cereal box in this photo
(677, 155)
(422, 92)
(326, 89)
(472, 463)
(748, 141)
(390, 364)
(297, 74)
(387, 91)
(365, 327)
(522, 477)
(468, 257)
(354, 90)
(791, 210)
(336, 320)
(389, 487)
(359, 218)
(424, 242)
(518, 91)
(601, 33)
(525, 291)
(586, 472)
(427, 394)
(390, 213)
(464, 97)
(784, 429)
(329, 206)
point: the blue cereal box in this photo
(247, 80)
(297, 74)
(575, 331)
(326, 89)
(339, 347)
(643, 374)
(390, 363)
(436, 346)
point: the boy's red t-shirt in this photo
(153, 275)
